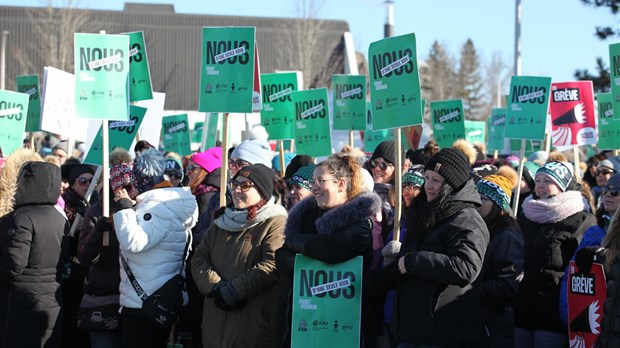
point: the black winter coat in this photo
(104, 274)
(548, 250)
(438, 299)
(31, 256)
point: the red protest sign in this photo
(573, 118)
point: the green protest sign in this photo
(530, 146)
(120, 134)
(614, 77)
(312, 132)
(327, 303)
(475, 131)
(227, 69)
(101, 76)
(176, 134)
(139, 74)
(277, 114)
(29, 84)
(448, 121)
(608, 127)
(496, 126)
(372, 138)
(394, 82)
(349, 96)
(13, 114)
(197, 132)
(527, 107)
(211, 137)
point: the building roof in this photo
(173, 43)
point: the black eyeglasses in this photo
(192, 167)
(238, 164)
(382, 165)
(614, 192)
(604, 172)
(84, 181)
(244, 186)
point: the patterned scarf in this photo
(202, 189)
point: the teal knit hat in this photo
(561, 173)
(303, 176)
(413, 177)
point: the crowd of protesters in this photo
(461, 270)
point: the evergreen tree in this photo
(441, 74)
(469, 83)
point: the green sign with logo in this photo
(101, 76)
(608, 127)
(448, 121)
(227, 69)
(327, 303)
(175, 131)
(13, 114)
(312, 132)
(496, 127)
(614, 77)
(120, 134)
(139, 74)
(29, 84)
(349, 96)
(527, 107)
(475, 131)
(395, 93)
(197, 132)
(277, 114)
(211, 137)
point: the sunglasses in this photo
(192, 167)
(382, 165)
(604, 172)
(244, 186)
(84, 181)
(238, 164)
(614, 192)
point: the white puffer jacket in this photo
(152, 239)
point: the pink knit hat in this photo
(209, 160)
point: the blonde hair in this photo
(347, 167)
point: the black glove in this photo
(382, 280)
(297, 242)
(585, 257)
(104, 224)
(226, 297)
(81, 207)
(124, 203)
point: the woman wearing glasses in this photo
(593, 237)
(553, 222)
(335, 225)
(234, 265)
(604, 170)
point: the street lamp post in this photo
(5, 33)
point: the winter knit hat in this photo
(560, 172)
(275, 161)
(385, 150)
(148, 170)
(261, 176)
(498, 188)
(614, 181)
(120, 175)
(173, 168)
(296, 163)
(76, 171)
(512, 161)
(303, 177)
(529, 172)
(254, 151)
(452, 165)
(414, 177)
(209, 160)
(606, 164)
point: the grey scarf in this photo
(235, 220)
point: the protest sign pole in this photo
(281, 146)
(515, 203)
(495, 154)
(105, 159)
(616, 152)
(203, 140)
(224, 177)
(398, 178)
(576, 160)
(351, 137)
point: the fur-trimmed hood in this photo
(9, 174)
(360, 207)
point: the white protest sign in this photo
(58, 111)
(150, 129)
